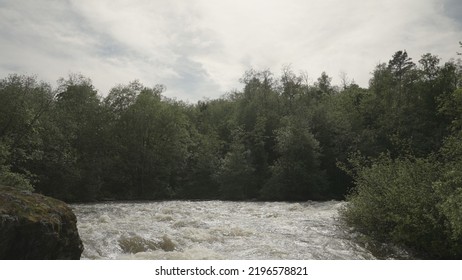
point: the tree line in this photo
(279, 138)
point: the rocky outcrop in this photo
(34, 226)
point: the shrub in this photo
(403, 201)
(16, 180)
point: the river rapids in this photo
(215, 230)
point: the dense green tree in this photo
(236, 172)
(24, 102)
(202, 163)
(324, 84)
(71, 169)
(400, 65)
(150, 139)
(295, 174)
(339, 126)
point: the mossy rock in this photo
(34, 226)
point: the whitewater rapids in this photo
(215, 230)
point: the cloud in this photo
(350, 36)
(453, 9)
(155, 40)
(201, 48)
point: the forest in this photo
(392, 150)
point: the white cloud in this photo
(350, 36)
(201, 48)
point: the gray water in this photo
(215, 230)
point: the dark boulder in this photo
(34, 226)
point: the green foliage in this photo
(296, 174)
(24, 101)
(197, 179)
(451, 107)
(450, 191)
(394, 200)
(16, 180)
(410, 201)
(72, 156)
(150, 142)
(411, 194)
(235, 174)
(449, 186)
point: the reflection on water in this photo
(215, 230)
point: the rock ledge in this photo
(34, 226)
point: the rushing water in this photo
(215, 230)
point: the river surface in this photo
(215, 230)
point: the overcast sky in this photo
(200, 48)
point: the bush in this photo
(16, 180)
(10, 178)
(404, 201)
(449, 190)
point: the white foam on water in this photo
(195, 253)
(215, 230)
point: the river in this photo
(215, 230)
